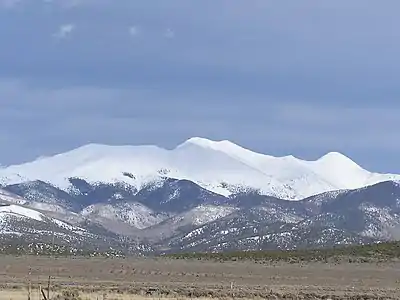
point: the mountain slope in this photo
(365, 215)
(220, 167)
(22, 221)
(131, 213)
(41, 195)
(195, 219)
(9, 197)
(173, 195)
(22, 226)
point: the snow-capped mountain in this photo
(220, 167)
(200, 196)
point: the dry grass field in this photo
(108, 279)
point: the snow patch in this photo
(9, 197)
(74, 229)
(134, 214)
(46, 207)
(204, 214)
(20, 211)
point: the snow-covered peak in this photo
(235, 151)
(219, 166)
(335, 158)
(223, 145)
(339, 168)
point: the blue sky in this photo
(280, 77)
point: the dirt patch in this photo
(163, 278)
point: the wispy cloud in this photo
(64, 31)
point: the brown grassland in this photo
(155, 278)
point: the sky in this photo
(278, 77)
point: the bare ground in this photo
(155, 278)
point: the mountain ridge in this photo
(221, 167)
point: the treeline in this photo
(359, 253)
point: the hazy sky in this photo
(280, 77)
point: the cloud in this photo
(64, 31)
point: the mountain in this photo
(220, 167)
(365, 215)
(200, 196)
(205, 221)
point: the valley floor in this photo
(125, 279)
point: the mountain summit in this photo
(221, 167)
